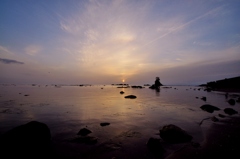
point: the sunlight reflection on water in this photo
(67, 109)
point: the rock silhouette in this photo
(173, 134)
(31, 140)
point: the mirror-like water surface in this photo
(132, 121)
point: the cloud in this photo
(9, 61)
(4, 50)
(32, 49)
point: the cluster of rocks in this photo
(33, 140)
(171, 134)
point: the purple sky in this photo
(105, 42)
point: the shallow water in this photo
(132, 121)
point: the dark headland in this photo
(224, 85)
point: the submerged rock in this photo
(131, 96)
(25, 140)
(230, 111)
(209, 108)
(173, 134)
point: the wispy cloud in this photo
(4, 50)
(212, 12)
(10, 61)
(33, 49)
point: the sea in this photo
(66, 109)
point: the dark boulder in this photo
(31, 140)
(173, 134)
(230, 111)
(84, 132)
(209, 108)
(121, 92)
(131, 96)
(231, 101)
(204, 98)
(155, 146)
(221, 115)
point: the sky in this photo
(184, 42)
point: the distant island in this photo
(226, 85)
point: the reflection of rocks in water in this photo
(130, 133)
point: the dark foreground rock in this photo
(31, 140)
(209, 108)
(155, 147)
(173, 134)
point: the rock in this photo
(238, 100)
(214, 119)
(84, 132)
(104, 124)
(173, 134)
(155, 146)
(25, 140)
(209, 108)
(121, 92)
(204, 98)
(230, 111)
(231, 101)
(136, 86)
(131, 96)
(221, 115)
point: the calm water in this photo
(132, 121)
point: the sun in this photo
(123, 80)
